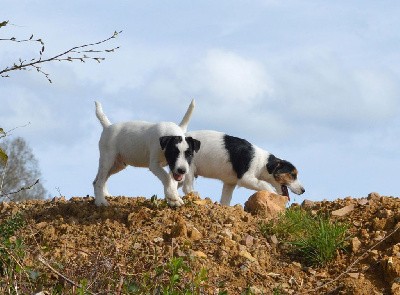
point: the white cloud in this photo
(321, 88)
(231, 78)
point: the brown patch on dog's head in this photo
(283, 171)
(286, 177)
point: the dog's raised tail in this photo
(185, 121)
(101, 116)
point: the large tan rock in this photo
(265, 204)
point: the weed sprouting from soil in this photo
(315, 238)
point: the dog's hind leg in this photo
(227, 191)
(106, 165)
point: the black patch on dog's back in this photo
(241, 152)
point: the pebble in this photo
(355, 244)
(274, 239)
(354, 275)
(307, 204)
(158, 240)
(195, 235)
(374, 196)
(199, 254)
(249, 241)
(343, 211)
(247, 255)
(227, 233)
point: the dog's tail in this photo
(185, 121)
(101, 116)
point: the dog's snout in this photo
(181, 170)
(303, 190)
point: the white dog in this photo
(235, 161)
(144, 144)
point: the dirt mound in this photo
(104, 248)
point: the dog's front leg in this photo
(256, 184)
(188, 183)
(170, 185)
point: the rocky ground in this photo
(72, 242)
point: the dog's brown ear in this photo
(194, 143)
(273, 163)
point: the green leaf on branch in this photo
(3, 157)
(3, 24)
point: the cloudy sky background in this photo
(314, 82)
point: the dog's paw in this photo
(101, 202)
(175, 202)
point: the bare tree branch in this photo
(6, 195)
(76, 53)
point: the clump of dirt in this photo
(107, 246)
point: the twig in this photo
(7, 133)
(21, 189)
(356, 261)
(34, 63)
(43, 261)
(20, 264)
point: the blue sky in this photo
(314, 82)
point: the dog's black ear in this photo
(165, 140)
(194, 143)
(273, 163)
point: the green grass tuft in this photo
(315, 239)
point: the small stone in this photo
(227, 233)
(256, 290)
(247, 255)
(201, 202)
(355, 244)
(343, 211)
(396, 249)
(249, 241)
(158, 240)
(354, 275)
(395, 288)
(362, 201)
(378, 223)
(137, 246)
(274, 239)
(180, 228)
(307, 204)
(4, 206)
(41, 225)
(310, 271)
(59, 199)
(374, 196)
(373, 255)
(273, 275)
(391, 268)
(194, 234)
(199, 254)
(265, 204)
(296, 264)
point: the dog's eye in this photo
(188, 153)
(293, 175)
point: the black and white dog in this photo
(235, 161)
(144, 144)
